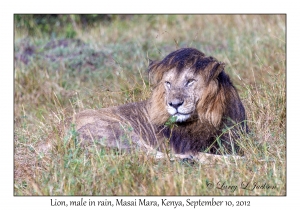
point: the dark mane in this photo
(219, 108)
(185, 57)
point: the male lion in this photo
(190, 89)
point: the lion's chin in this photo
(181, 117)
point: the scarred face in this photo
(182, 92)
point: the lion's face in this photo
(182, 93)
(187, 86)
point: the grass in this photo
(105, 66)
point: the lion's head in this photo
(189, 85)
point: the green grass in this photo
(106, 67)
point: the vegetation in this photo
(61, 69)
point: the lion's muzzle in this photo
(175, 103)
(178, 108)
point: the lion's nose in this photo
(176, 103)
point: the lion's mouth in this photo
(180, 113)
(181, 117)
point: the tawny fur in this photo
(214, 102)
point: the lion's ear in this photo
(214, 70)
(154, 74)
(150, 62)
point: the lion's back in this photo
(118, 126)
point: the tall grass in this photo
(106, 67)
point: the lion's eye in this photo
(189, 82)
(168, 84)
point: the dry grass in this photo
(108, 68)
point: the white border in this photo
(8, 201)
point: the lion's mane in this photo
(220, 108)
(219, 119)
